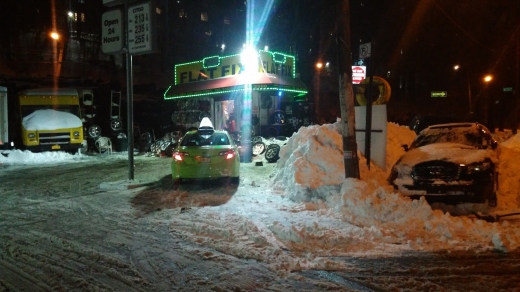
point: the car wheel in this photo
(94, 131)
(278, 117)
(258, 148)
(115, 125)
(272, 153)
(256, 139)
(146, 138)
(169, 150)
(235, 180)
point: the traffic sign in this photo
(140, 38)
(365, 50)
(439, 94)
(112, 32)
(111, 3)
(358, 74)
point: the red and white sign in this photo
(359, 74)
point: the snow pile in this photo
(513, 142)
(508, 178)
(15, 157)
(314, 152)
(49, 119)
(371, 203)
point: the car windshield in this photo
(195, 139)
(461, 135)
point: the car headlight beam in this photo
(480, 167)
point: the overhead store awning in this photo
(258, 82)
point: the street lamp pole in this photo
(468, 81)
(317, 77)
(469, 96)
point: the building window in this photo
(204, 16)
(82, 17)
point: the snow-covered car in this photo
(450, 163)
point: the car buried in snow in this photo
(449, 163)
(206, 153)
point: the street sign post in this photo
(140, 40)
(439, 94)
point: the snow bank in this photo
(16, 157)
(49, 119)
(311, 169)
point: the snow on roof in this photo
(456, 153)
(49, 119)
(50, 91)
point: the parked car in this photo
(451, 163)
(421, 122)
(206, 153)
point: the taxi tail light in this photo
(179, 156)
(227, 154)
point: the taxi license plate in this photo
(55, 147)
(203, 159)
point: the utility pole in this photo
(346, 93)
(517, 83)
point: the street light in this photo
(54, 35)
(488, 78)
(456, 68)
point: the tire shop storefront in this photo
(269, 102)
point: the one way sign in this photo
(439, 93)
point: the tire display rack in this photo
(188, 113)
(288, 118)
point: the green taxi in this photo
(206, 153)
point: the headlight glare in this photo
(474, 168)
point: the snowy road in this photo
(59, 231)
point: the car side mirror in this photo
(405, 147)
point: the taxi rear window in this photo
(195, 139)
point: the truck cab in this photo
(50, 119)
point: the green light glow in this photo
(232, 89)
(216, 61)
(276, 56)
